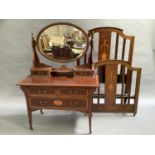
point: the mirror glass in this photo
(62, 42)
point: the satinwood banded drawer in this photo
(43, 91)
(72, 91)
(49, 103)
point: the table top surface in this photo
(61, 81)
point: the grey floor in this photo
(13, 121)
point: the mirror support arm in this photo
(35, 57)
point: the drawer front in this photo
(72, 91)
(49, 103)
(84, 73)
(43, 91)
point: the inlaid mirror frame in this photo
(67, 24)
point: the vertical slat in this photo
(103, 51)
(123, 81)
(116, 45)
(128, 80)
(104, 45)
(35, 57)
(90, 59)
(123, 49)
(85, 58)
(131, 50)
(110, 83)
(98, 98)
(123, 54)
(78, 62)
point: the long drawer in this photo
(53, 103)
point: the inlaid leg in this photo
(29, 111)
(30, 118)
(90, 102)
(86, 114)
(89, 117)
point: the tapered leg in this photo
(30, 118)
(90, 102)
(41, 111)
(89, 117)
(29, 111)
(29, 114)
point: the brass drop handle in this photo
(45, 90)
(43, 103)
(58, 102)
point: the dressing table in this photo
(60, 88)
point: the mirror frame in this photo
(63, 23)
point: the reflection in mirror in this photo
(62, 42)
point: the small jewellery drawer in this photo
(71, 91)
(49, 103)
(43, 91)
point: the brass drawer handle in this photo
(70, 91)
(43, 103)
(45, 91)
(58, 102)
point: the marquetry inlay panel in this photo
(110, 83)
(104, 45)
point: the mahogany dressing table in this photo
(60, 88)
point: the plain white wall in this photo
(153, 34)
(15, 49)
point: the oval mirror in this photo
(62, 42)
